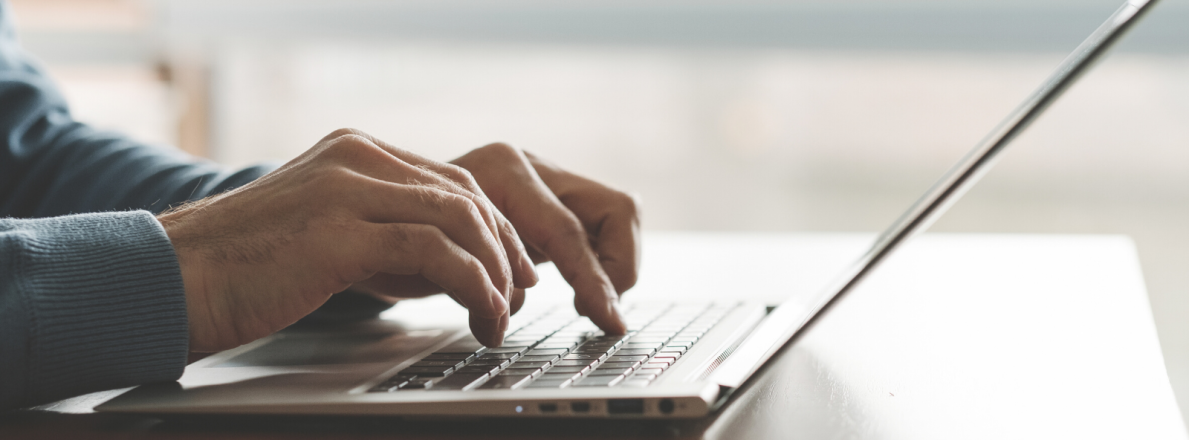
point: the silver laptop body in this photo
(378, 367)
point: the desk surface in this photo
(957, 336)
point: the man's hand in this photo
(590, 231)
(351, 211)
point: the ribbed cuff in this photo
(108, 306)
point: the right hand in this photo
(348, 212)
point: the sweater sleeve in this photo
(87, 302)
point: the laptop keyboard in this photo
(560, 349)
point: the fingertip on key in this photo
(617, 315)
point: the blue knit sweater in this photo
(91, 294)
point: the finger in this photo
(523, 271)
(618, 247)
(518, 254)
(610, 215)
(453, 214)
(408, 249)
(616, 230)
(489, 331)
(557, 233)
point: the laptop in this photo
(679, 360)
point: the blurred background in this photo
(723, 115)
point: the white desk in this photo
(956, 336)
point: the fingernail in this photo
(527, 265)
(613, 310)
(499, 305)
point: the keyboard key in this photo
(630, 352)
(558, 370)
(599, 381)
(624, 365)
(530, 372)
(653, 334)
(556, 377)
(675, 348)
(518, 342)
(638, 339)
(644, 345)
(661, 363)
(669, 354)
(556, 345)
(555, 339)
(647, 371)
(477, 369)
(575, 363)
(460, 381)
(580, 356)
(601, 371)
(547, 358)
(528, 364)
(542, 383)
(506, 382)
(609, 338)
(428, 372)
(507, 349)
(604, 345)
(621, 358)
(417, 384)
(593, 350)
(541, 352)
(486, 356)
(491, 363)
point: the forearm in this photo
(87, 302)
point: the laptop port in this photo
(548, 407)
(625, 406)
(580, 407)
(666, 406)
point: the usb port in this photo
(580, 406)
(548, 407)
(625, 406)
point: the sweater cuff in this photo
(107, 303)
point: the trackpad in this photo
(290, 350)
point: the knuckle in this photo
(427, 238)
(474, 268)
(458, 175)
(501, 150)
(341, 133)
(463, 176)
(349, 147)
(466, 207)
(627, 203)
